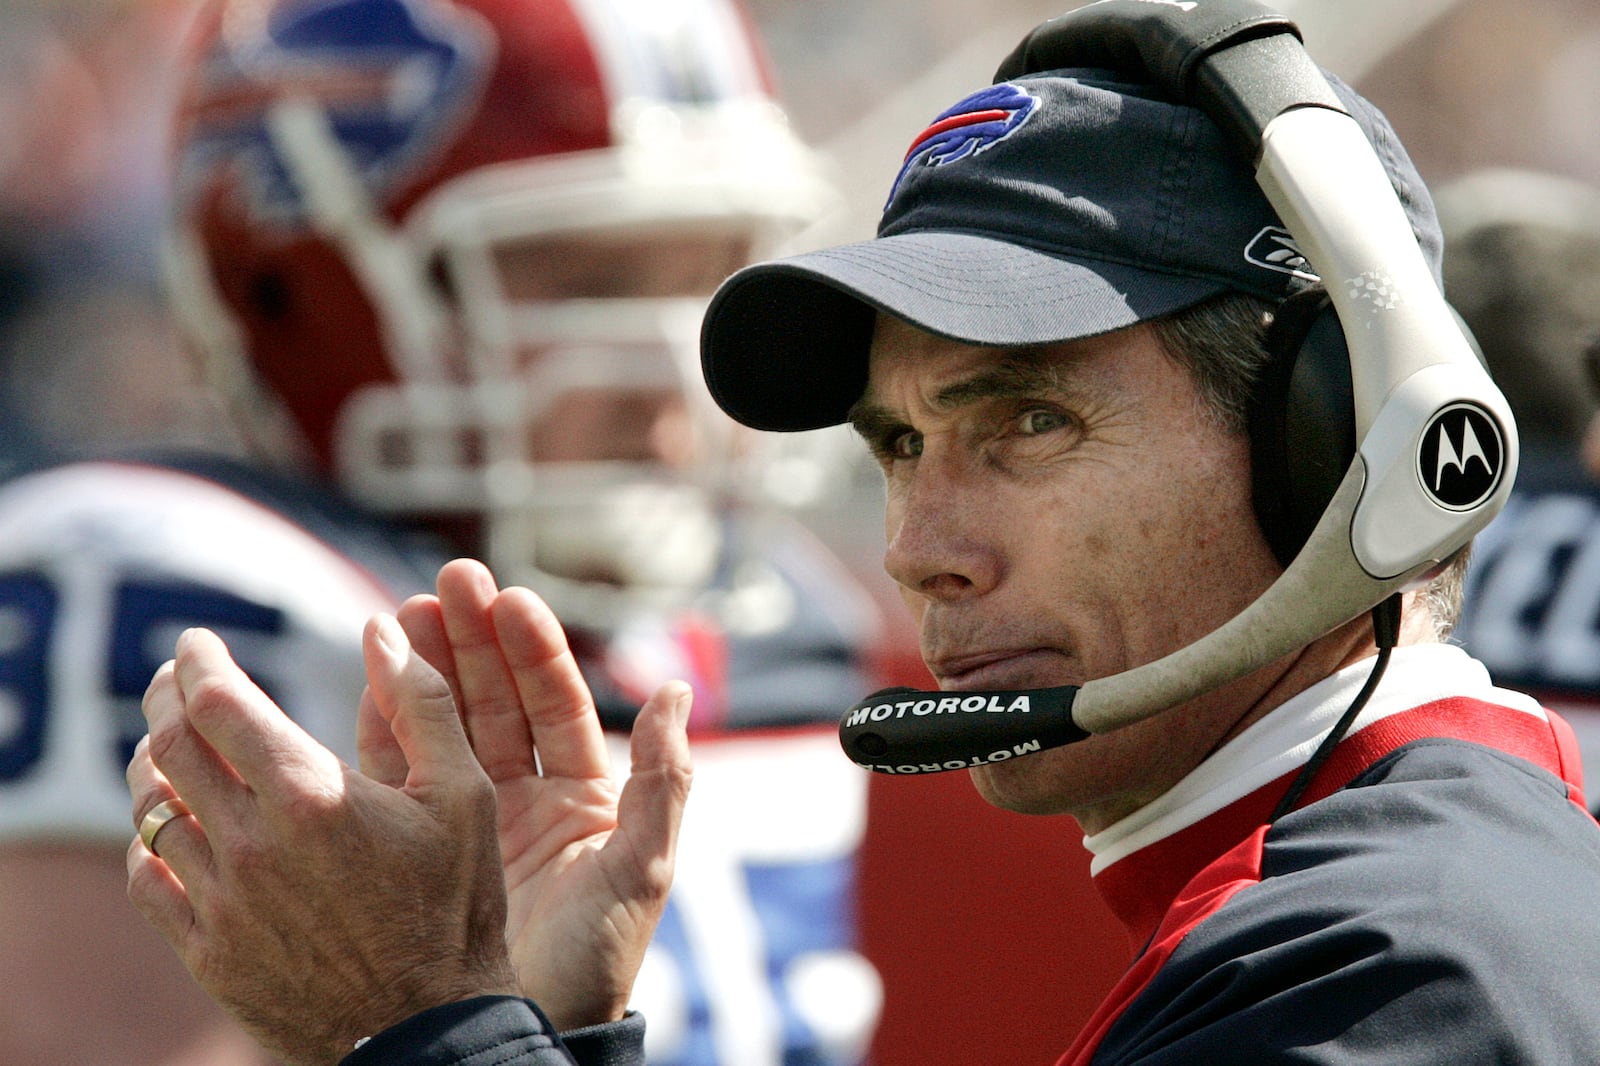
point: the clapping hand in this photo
(587, 869)
(320, 905)
(314, 904)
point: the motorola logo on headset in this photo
(1461, 457)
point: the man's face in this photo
(625, 451)
(624, 396)
(1058, 514)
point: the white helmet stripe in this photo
(675, 51)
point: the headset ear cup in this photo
(1302, 421)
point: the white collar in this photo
(1285, 739)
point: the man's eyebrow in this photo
(872, 421)
(1025, 372)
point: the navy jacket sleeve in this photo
(1439, 909)
(502, 1030)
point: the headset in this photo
(1381, 446)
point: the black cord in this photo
(1386, 633)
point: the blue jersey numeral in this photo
(27, 615)
(142, 612)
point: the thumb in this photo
(415, 700)
(653, 798)
(380, 756)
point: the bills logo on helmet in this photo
(392, 77)
(975, 125)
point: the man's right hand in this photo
(587, 869)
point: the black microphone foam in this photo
(909, 731)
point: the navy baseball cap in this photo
(1038, 210)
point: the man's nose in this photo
(942, 539)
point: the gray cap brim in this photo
(784, 344)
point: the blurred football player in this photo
(100, 562)
(450, 257)
(1523, 268)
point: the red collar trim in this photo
(1141, 887)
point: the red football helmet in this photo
(461, 248)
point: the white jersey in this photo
(102, 565)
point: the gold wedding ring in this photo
(162, 813)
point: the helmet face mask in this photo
(468, 266)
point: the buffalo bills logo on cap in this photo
(392, 78)
(976, 124)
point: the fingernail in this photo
(393, 638)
